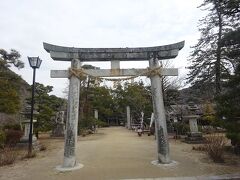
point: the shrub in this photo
(235, 138)
(81, 131)
(2, 139)
(85, 132)
(13, 136)
(181, 128)
(7, 156)
(86, 123)
(235, 141)
(215, 147)
(208, 129)
(12, 126)
(101, 123)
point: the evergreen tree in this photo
(9, 97)
(102, 101)
(231, 39)
(47, 106)
(228, 107)
(209, 60)
(6, 59)
(9, 82)
(87, 85)
(228, 104)
(135, 95)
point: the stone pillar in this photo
(69, 162)
(159, 114)
(95, 113)
(128, 118)
(193, 125)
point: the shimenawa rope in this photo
(81, 74)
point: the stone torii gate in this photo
(115, 55)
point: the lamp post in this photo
(35, 63)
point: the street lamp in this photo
(35, 63)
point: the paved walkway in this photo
(116, 153)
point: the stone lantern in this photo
(194, 136)
(26, 122)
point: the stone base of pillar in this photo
(171, 163)
(164, 159)
(64, 169)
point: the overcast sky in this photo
(26, 24)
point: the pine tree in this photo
(6, 59)
(9, 82)
(228, 104)
(47, 105)
(228, 108)
(209, 60)
(9, 97)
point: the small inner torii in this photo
(115, 55)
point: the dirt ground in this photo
(116, 153)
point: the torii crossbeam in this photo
(115, 55)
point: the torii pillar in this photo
(159, 114)
(69, 160)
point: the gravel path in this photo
(115, 153)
